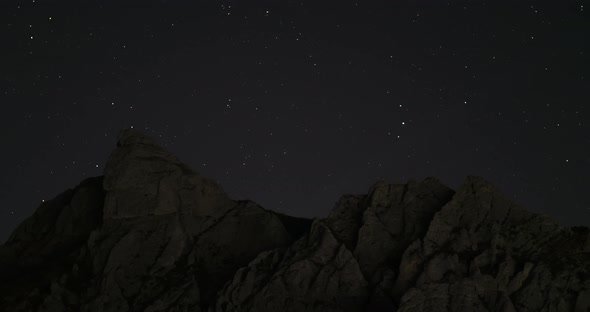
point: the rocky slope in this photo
(153, 235)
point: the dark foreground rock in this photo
(153, 235)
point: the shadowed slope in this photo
(151, 235)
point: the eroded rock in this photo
(154, 235)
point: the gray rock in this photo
(47, 244)
(394, 216)
(530, 263)
(318, 273)
(421, 247)
(142, 179)
(154, 235)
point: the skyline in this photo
(292, 104)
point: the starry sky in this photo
(293, 103)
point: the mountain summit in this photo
(154, 235)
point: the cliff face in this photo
(153, 235)
(422, 247)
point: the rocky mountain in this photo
(154, 235)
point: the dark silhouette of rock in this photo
(422, 247)
(154, 235)
(151, 235)
(47, 244)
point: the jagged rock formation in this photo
(153, 235)
(422, 247)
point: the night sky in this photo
(292, 104)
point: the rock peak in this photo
(154, 235)
(130, 137)
(143, 179)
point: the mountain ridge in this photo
(154, 235)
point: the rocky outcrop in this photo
(347, 261)
(143, 179)
(482, 252)
(153, 235)
(47, 244)
(317, 273)
(422, 247)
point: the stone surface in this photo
(151, 235)
(484, 252)
(317, 273)
(143, 179)
(47, 244)
(422, 247)
(154, 235)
